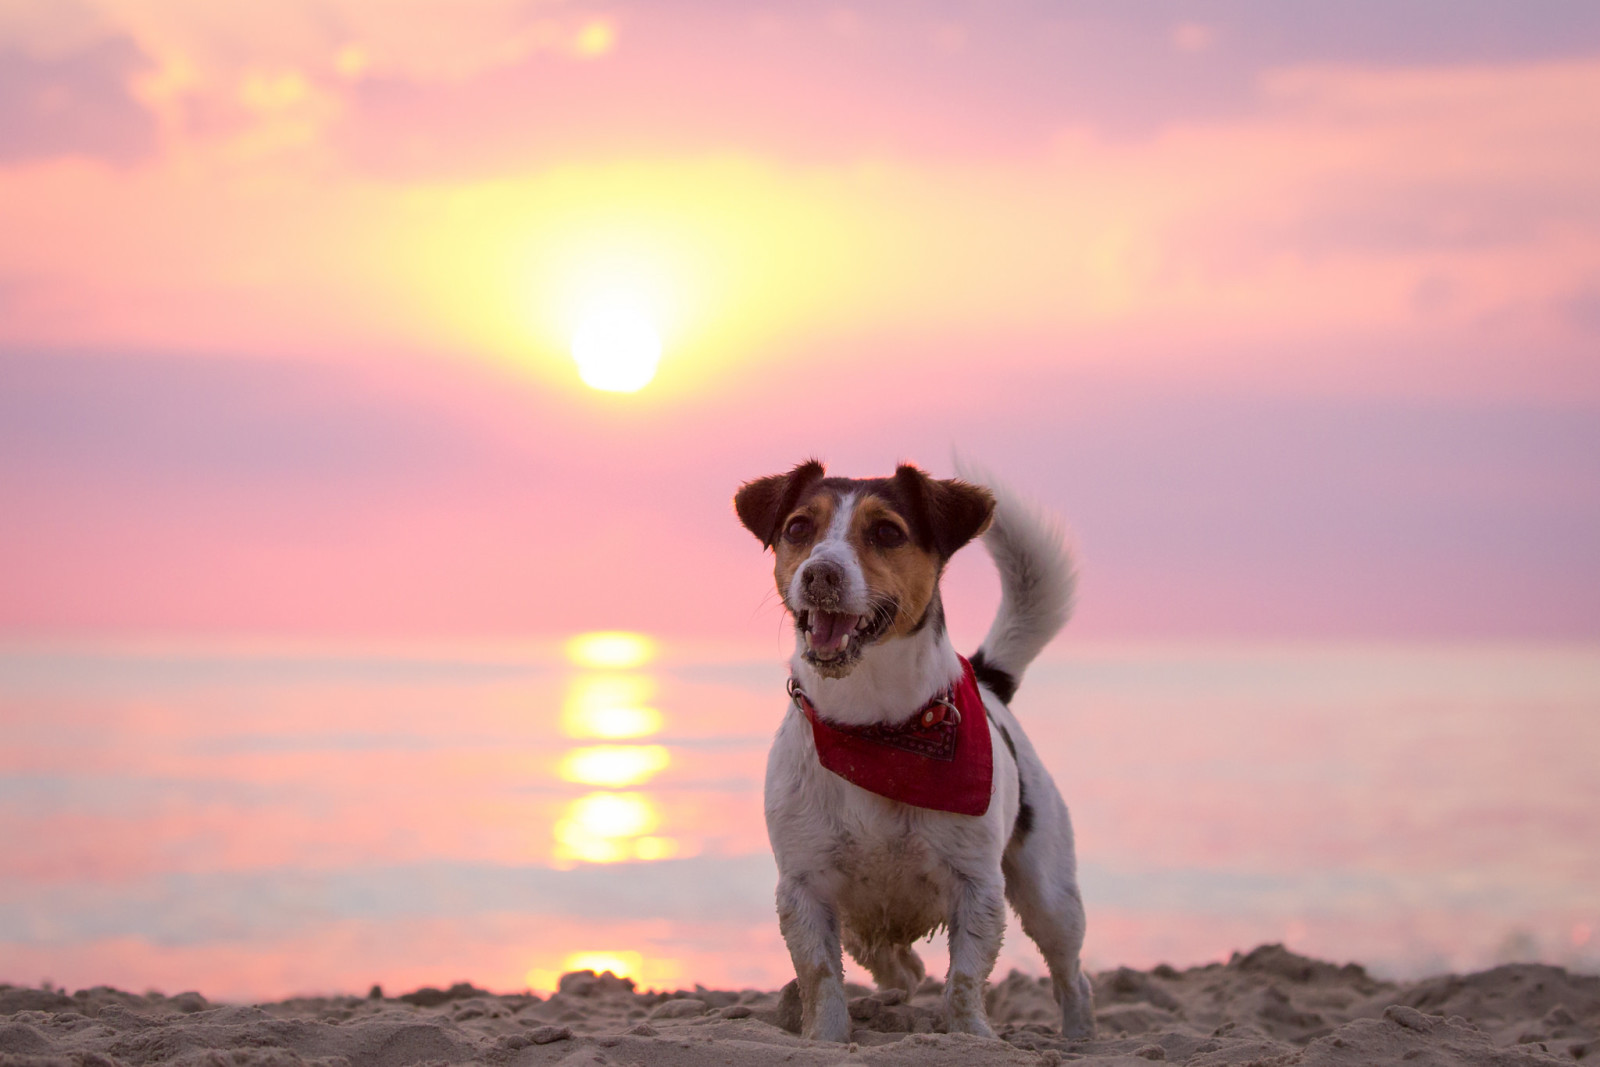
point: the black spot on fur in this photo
(999, 681)
(933, 616)
(1005, 735)
(944, 513)
(1024, 823)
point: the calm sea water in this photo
(259, 823)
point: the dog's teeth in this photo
(844, 640)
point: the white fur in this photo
(860, 872)
(1036, 597)
(893, 679)
(834, 546)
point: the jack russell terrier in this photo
(901, 794)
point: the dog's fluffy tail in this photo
(1037, 584)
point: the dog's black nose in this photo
(823, 583)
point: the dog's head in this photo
(859, 559)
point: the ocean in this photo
(258, 821)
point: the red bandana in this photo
(932, 760)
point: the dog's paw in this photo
(1077, 1010)
(974, 1024)
(1079, 1031)
(830, 1021)
(963, 1006)
(828, 1028)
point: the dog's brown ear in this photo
(763, 503)
(952, 512)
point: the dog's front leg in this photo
(977, 923)
(810, 927)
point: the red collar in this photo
(938, 758)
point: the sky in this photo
(1291, 313)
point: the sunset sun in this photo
(616, 344)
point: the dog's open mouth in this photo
(834, 639)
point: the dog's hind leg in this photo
(810, 928)
(977, 923)
(911, 971)
(891, 966)
(1045, 893)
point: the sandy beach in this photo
(1268, 1006)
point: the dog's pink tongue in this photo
(828, 630)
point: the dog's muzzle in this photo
(835, 639)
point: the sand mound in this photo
(1269, 1007)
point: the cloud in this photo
(77, 104)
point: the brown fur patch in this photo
(818, 507)
(905, 572)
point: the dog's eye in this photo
(886, 534)
(799, 529)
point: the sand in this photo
(1267, 1007)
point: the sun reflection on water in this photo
(608, 828)
(611, 650)
(610, 706)
(648, 972)
(611, 828)
(607, 702)
(614, 765)
(623, 964)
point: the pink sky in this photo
(1292, 315)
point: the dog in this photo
(901, 794)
